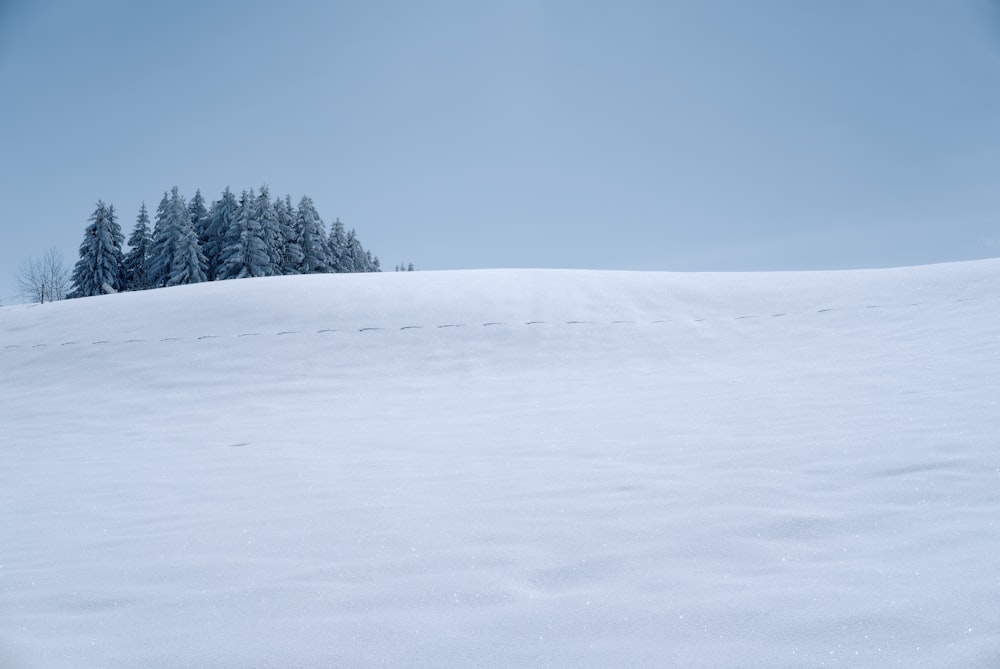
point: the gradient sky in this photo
(696, 135)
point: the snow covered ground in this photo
(506, 468)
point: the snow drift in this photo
(506, 468)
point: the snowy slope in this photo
(506, 468)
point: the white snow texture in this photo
(506, 468)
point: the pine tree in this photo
(245, 254)
(140, 244)
(197, 212)
(221, 218)
(312, 238)
(270, 231)
(100, 268)
(337, 249)
(158, 263)
(355, 257)
(189, 264)
(176, 257)
(292, 258)
(172, 221)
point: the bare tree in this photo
(45, 278)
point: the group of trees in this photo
(233, 238)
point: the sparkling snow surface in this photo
(506, 468)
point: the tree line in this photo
(233, 238)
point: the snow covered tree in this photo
(312, 238)
(270, 228)
(100, 268)
(197, 212)
(172, 219)
(189, 264)
(337, 249)
(137, 259)
(346, 252)
(176, 257)
(355, 257)
(252, 236)
(221, 218)
(245, 253)
(292, 257)
(158, 262)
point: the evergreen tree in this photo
(250, 237)
(157, 264)
(172, 221)
(245, 253)
(355, 257)
(197, 212)
(137, 261)
(189, 264)
(312, 238)
(337, 249)
(292, 258)
(176, 257)
(100, 268)
(267, 217)
(221, 218)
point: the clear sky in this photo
(694, 135)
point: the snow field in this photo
(506, 468)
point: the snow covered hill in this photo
(506, 468)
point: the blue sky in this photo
(700, 135)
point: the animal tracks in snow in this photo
(444, 326)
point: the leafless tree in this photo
(43, 279)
